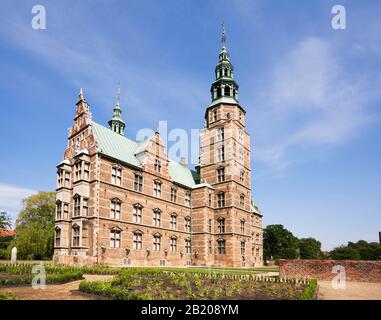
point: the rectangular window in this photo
(137, 214)
(220, 134)
(242, 176)
(116, 175)
(115, 238)
(86, 171)
(221, 174)
(241, 156)
(138, 182)
(137, 241)
(67, 179)
(157, 165)
(156, 218)
(187, 198)
(210, 246)
(156, 242)
(60, 175)
(115, 209)
(173, 244)
(76, 233)
(210, 199)
(221, 200)
(77, 206)
(59, 210)
(78, 170)
(188, 226)
(221, 246)
(220, 154)
(240, 135)
(173, 221)
(65, 210)
(173, 194)
(210, 225)
(188, 246)
(242, 200)
(85, 206)
(221, 225)
(243, 248)
(58, 237)
(242, 226)
(157, 189)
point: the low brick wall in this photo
(359, 271)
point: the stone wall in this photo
(359, 271)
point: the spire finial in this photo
(223, 35)
(80, 94)
(118, 94)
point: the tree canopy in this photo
(279, 243)
(35, 227)
(361, 250)
(310, 248)
(5, 221)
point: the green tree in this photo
(279, 243)
(310, 248)
(35, 227)
(5, 221)
(345, 253)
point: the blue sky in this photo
(312, 95)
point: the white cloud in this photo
(11, 198)
(313, 104)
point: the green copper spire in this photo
(224, 87)
(116, 123)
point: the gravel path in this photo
(66, 291)
(353, 291)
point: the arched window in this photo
(227, 91)
(219, 92)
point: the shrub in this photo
(310, 292)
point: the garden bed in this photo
(168, 285)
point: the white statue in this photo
(14, 255)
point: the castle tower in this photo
(116, 123)
(226, 228)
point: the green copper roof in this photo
(115, 145)
(181, 174)
(121, 148)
